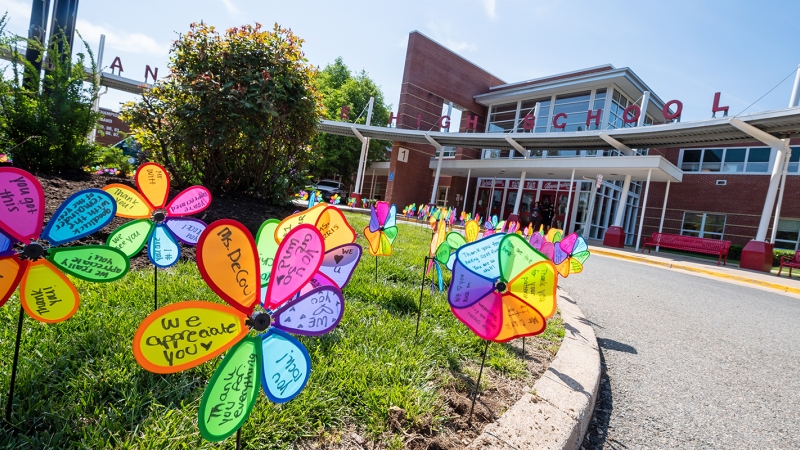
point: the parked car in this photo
(329, 187)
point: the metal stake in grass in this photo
(239, 439)
(155, 288)
(14, 364)
(376, 268)
(421, 291)
(477, 384)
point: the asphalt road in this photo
(690, 362)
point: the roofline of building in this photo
(452, 51)
(558, 75)
(630, 74)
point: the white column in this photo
(96, 103)
(466, 191)
(663, 210)
(644, 208)
(574, 215)
(364, 154)
(623, 201)
(372, 187)
(795, 99)
(567, 215)
(477, 191)
(780, 193)
(645, 101)
(438, 167)
(491, 199)
(519, 193)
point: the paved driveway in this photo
(691, 362)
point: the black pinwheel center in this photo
(500, 286)
(33, 251)
(260, 321)
(159, 216)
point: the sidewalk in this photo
(731, 272)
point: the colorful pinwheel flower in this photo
(351, 202)
(4, 158)
(335, 199)
(409, 210)
(570, 255)
(157, 226)
(493, 226)
(37, 266)
(382, 229)
(445, 253)
(184, 335)
(472, 229)
(502, 288)
(302, 195)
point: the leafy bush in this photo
(114, 157)
(236, 113)
(45, 123)
(776, 256)
(735, 252)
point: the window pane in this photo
(505, 107)
(734, 160)
(715, 223)
(758, 155)
(691, 160)
(788, 230)
(795, 154)
(571, 98)
(785, 245)
(692, 222)
(712, 160)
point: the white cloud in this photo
(18, 11)
(232, 9)
(491, 8)
(122, 41)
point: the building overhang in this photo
(782, 123)
(611, 167)
(378, 168)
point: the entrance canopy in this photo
(782, 123)
(612, 168)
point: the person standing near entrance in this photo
(547, 214)
(536, 216)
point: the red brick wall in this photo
(433, 75)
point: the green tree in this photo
(236, 113)
(45, 123)
(339, 154)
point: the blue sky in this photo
(684, 49)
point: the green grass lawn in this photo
(78, 384)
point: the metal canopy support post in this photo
(372, 187)
(567, 215)
(362, 160)
(96, 103)
(517, 147)
(795, 99)
(663, 210)
(491, 199)
(466, 191)
(780, 194)
(623, 201)
(587, 223)
(645, 101)
(438, 166)
(519, 192)
(644, 208)
(624, 149)
(780, 147)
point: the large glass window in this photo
(727, 160)
(788, 234)
(576, 106)
(449, 152)
(794, 161)
(502, 118)
(528, 107)
(599, 103)
(704, 225)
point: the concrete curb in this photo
(557, 413)
(741, 279)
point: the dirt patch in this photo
(249, 211)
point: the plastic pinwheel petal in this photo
(183, 335)
(340, 262)
(267, 247)
(130, 203)
(298, 258)
(554, 235)
(96, 263)
(439, 276)
(456, 240)
(516, 255)
(191, 200)
(391, 234)
(559, 255)
(228, 261)
(382, 212)
(568, 243)
(548, 250)
(80, 215)
(391, 218)
(308, 216)
(537, 240)
(185, 229)
(285, 366)
(471, 230)
(152, 181)
(232, 391)
(481, 257)
(443, 253)
(317, 281)
(312, 314)
(11, 271)
(374, 220)
(131, 237)
(162, 248)
(467, 287)
(483, 317)
(47, 294)
(23, 199)
(6, 244)
(519, 320)
(334, 228)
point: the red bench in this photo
(793, 262)
(689, 244)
